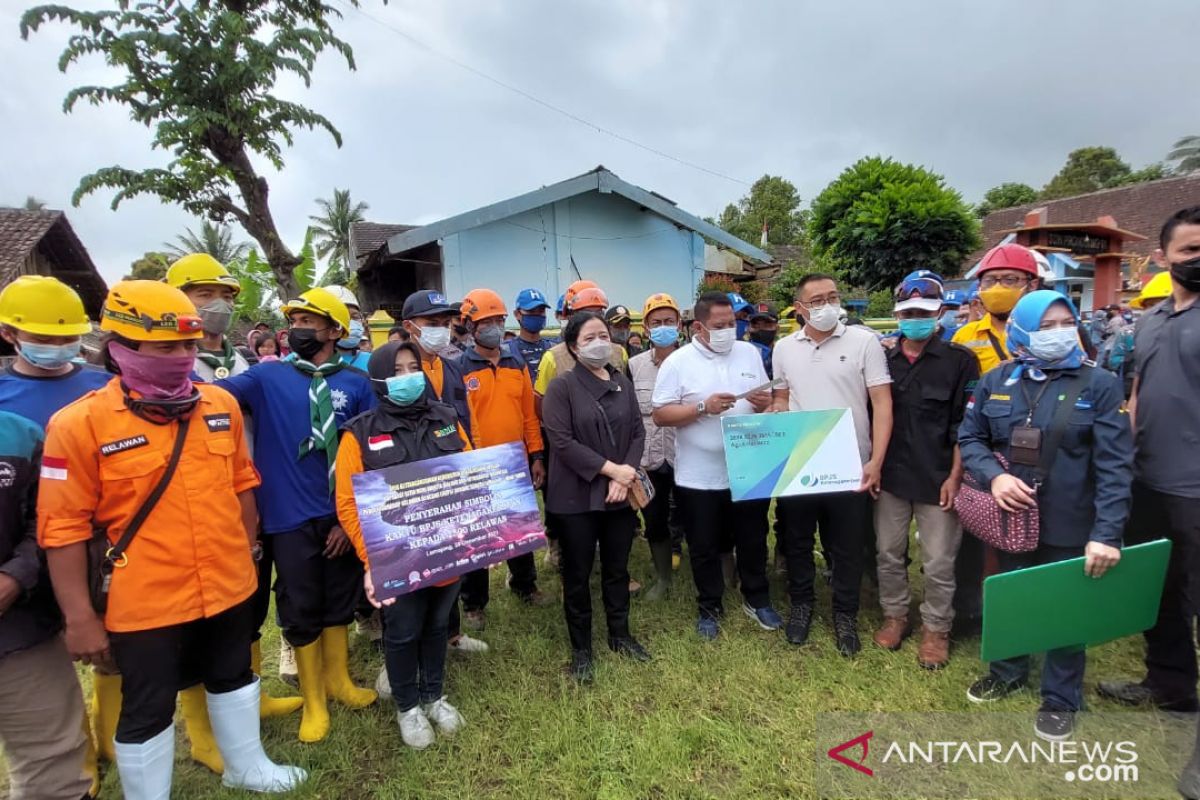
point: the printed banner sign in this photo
(429, 521)
(791, 453)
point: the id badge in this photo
(1026, 446)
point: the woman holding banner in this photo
(409, 424)
(596, 438)
(1068, 450)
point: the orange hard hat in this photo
(589, 298)
(481, 304)
(1009, 256)
(574, 289)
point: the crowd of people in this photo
(152, 503)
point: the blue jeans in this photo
(1062, 669)
(414, 643)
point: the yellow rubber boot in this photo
(106, 710)
(91, 762)
(199, 728)
(314, 723)
(335, 644)
(271, 706)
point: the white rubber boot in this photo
(145, 768)
(235, 726)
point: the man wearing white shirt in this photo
(695, 386)
(828, 365)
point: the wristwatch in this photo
(700, 408)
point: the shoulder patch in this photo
(121, 445)
(449, 430)
(472, 383)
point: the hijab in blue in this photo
(1026, 317)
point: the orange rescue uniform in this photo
(501, 400)
(191, 558)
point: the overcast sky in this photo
(980, 92)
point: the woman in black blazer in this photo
(596, 437)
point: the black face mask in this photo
(1187, 274)
(304, 342)
(763, 337)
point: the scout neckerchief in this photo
(222, 365)
(323, 425)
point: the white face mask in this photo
(434, 338)
(824, 318)
(1053, 345)
(721, 341)
(595, 353)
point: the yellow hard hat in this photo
(657, 301)
(150, 311)
(200, 269)
(320, 301)
(1159, 288)
(43, 306)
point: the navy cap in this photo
(617, 314)
(530, 300)
(427, 303)
(765, 310)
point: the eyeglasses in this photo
(1008, 282)
(923, 288)
(831, 299)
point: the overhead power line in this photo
(539, 101)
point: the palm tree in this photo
(331, 235)
(1187, 152)
(214, 239)
(33, 204)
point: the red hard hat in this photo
(1009, 256)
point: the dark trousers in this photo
(578, 536)
(1170, 645)
(1062, 669)
(261, 601)
(968, 579)
(414, 643)
(475, 590)
(714, 524)
(657, 514)
(155, 664)
(842, 517)
(313, 592)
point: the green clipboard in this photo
(1055, 605)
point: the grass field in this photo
(734, 718)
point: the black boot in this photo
(799, 623)
(660, 552)
(628, 646)
(845, 627)
(581, 666)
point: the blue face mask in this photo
(50, 356)
(743, 325)
(917, 329)
(403, 390)
(532, 324)
(664, 336)
(356, 334)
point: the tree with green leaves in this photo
(331, 235)
(1006, 195)
(1088, 169)
(1186, 154)
(880, 220)
(202, 76)
(214, 239)
(34, 204)
(772, 200)
(150, 267)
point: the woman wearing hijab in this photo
(1057, 421)
(596, 437)
(409, 424)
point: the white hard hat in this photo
(1045, 271)
(345, 295)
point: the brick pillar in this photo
(1107, 287)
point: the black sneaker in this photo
(1139, 694)
(988, 689)
(630, 647)
(845, 628)
(581, 666)
(798, 624)
(1054, 725)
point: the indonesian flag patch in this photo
(54, 468)
(380, 442)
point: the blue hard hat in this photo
(954, 298)
(530, 300)
(923, 273)
(739, 303)
(562, 301)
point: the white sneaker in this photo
(287, 663)
(445, 716)
(415, 729)
(465, 644)
(383, 686)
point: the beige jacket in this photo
(660, 442)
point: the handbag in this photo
(642, 491)
(1015, 531)
(104, 557)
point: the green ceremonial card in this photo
(1056, 605)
